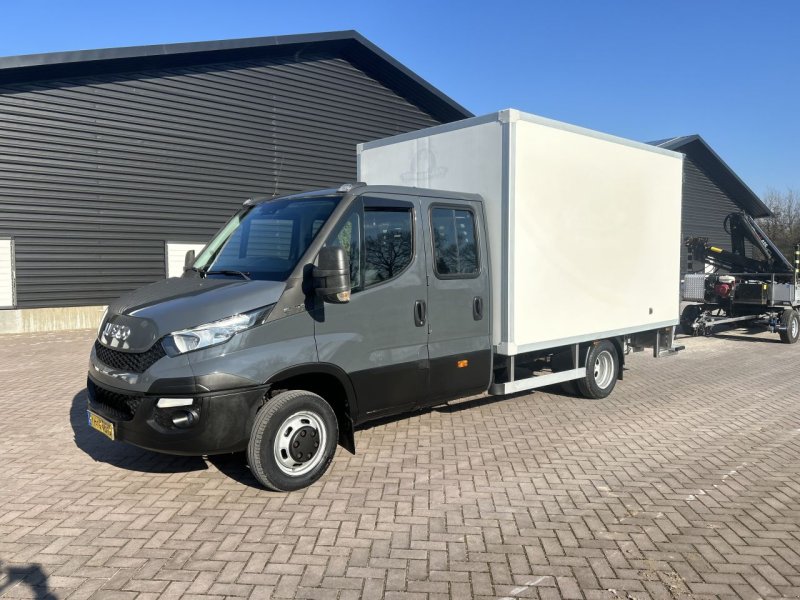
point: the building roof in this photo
(696, 148)
(351, 45)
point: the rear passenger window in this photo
(388, 243)
(455, 252)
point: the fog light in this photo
(174, 402)
(184, 419)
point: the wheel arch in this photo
(619, 344)
(331, 383)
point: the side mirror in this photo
(188, 260)
(332, 275)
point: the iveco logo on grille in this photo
(116, 332)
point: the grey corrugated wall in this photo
(705, 207)
(96, 173)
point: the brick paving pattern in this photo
(684, 484)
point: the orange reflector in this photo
(462, 363)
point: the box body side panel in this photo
(595, 236)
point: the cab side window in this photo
(388, 242)
(455, 251)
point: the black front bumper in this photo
(222, 420)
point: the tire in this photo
(602, 368)
(290, 423)
(689, 316)
(791, 321)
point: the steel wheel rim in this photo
(603, 369)
(287, 436)
(794, 327)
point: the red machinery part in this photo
(723, 290)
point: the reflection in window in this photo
(267, 240)
(348, 236)
(454, 248)
(388, 243)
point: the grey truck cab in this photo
(304, 316)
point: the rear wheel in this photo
(689, 316)
(293, 441)
(791, 321)
(602, 367)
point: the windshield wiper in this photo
(226, 272)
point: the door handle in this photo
(420, 312)
(477, 308)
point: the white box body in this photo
(584, 228)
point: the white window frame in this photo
(182, 247)
(13, 273)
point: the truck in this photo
(497, 254)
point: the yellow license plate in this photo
(99, 423)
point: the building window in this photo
(455, 251)
(6, 273)
(176, 255)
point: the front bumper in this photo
(222, 420)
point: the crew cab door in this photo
(379, 338)
(459, 321)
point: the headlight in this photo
(211, 334)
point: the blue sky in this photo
(726, 69)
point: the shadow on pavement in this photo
(747, 336)
(31, 576)
(119, 454)
(235, 466)
(126, 456)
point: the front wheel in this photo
(602, 367)
(790, 321)
(293, 441)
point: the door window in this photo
(388, 243)
(348, 236)
(455, 250)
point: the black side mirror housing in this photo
(188, 260)
(332, 275)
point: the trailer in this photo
(741, 289)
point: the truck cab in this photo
(305, 316)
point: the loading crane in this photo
(741, 288)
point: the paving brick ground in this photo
(684, 484)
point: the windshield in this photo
(267, 240)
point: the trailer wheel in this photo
(602, 367)
(688, 317)
(293, 441)
(791, 321)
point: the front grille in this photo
(115, 406)
(130, 362)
